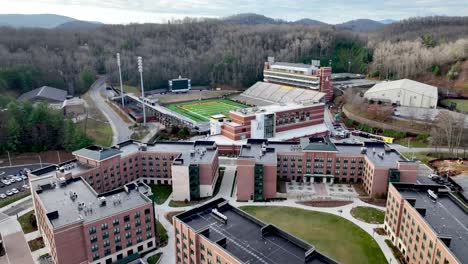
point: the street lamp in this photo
(349, 66)
(140, 69)
(120, 75)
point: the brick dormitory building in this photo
(98, 203)
(427, 223)
(261, 163)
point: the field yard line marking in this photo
(203, 118)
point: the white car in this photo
(14, 190)
(18, 179)
(7, 182)
(24, 177)
(9, 193)
(25, 186)
(2, 196)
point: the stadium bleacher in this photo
(262, 93)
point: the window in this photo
(126, 218)
(202, 247)
(117, 239)
(147, 211)
(105, 235)
(147, 219)
(127, 226)
(116, 230)
(93, 239)
(94, 248)
(95, 256)
(128, 235)
(137, 215)
(115, 222)
(104, 226)
(218, 259)
(149, 235)
(92, 230)
(129, 243)
(106, 243)
(209, 252)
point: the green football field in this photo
(201, 111)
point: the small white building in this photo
(404, 92)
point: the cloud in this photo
(332, 11)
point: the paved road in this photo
(120, 129)
(15, 209)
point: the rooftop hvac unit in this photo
(363, 150)
(219, 215)
(73, 195)
(102, 201)
(81, 205)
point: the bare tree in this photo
(450, 131)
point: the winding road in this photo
(120, 130)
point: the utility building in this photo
(404, 92)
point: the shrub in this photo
(32, 220)
(366, 128)
(348, 122)
(394, 134)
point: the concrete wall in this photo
(180, 183)
(245, 178)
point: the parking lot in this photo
(7, 174)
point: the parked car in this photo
(24, 177)
(18, 179)
(2, 196)
(25, 186)
(14, 190)
(7, 182)
(9, 193)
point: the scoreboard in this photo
(179, 85)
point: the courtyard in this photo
(332, 235)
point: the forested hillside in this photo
(210, 52)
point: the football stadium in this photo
(202, 110)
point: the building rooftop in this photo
(317, 144)
(405, 84)
(445, 216)
(462, 181)
(374, 151)
(248, 239)
(45, 92)
(258, 150)
(62, 210)
(188, 151)
(96, 152)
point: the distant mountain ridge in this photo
(45, 21)
(359, 25)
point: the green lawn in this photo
(154, 259)
(162, 233)
(201, 111)
(368, 214)
(25, 222)
(14, 198)
(160, 192)
(462, 105)
(332, 235)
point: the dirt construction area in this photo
(451, 167)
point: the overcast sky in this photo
(139, 11)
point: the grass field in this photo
(368, 214)
(201, 111)
(462, 105)
(160, 192)
(332, 235)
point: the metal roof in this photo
(405, 84)
(44, 92)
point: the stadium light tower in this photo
(140, 69)
(120, 75)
